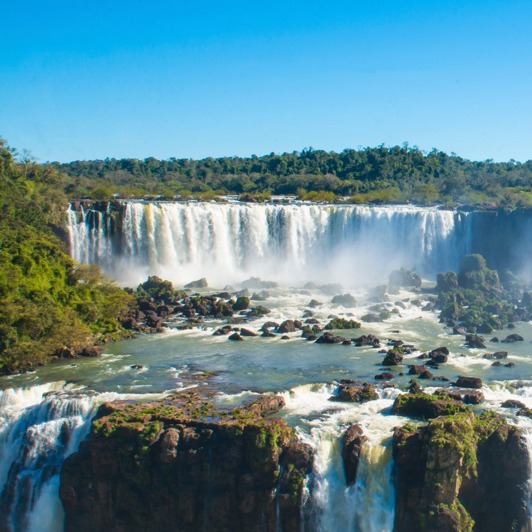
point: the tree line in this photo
(380, 174)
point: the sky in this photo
(199, 78)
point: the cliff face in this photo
(461, 473)
(181, 465)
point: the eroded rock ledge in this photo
(460, 473)
(183, 465)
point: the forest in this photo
(369, 175)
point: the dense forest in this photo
(381, 174)
(47, 302)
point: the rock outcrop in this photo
(460, 473)
(182, 465)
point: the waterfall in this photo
(287, 243)
(39, 427)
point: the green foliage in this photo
(46, 301)
(381, 175)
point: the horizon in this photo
(177, 79)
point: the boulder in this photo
(499, 355)
(345, 300)
(511, 338)
(247, 332)
(357, 392)
(475, 342)
(393, 358)
(199, 283)
(439, 355)
(287, 326)
(91, 351)
(235, 337)
(242, 303)
(329, 338)
(352, 441)
(469, 382)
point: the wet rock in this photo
(509, 365)
(371, 318)
(329, 338)
(495, 340)
(469, 382)
(511, 338)
(268, 334)
(345, 300)
(499, 355)
(199, 283)
(467, 396)
(91, 351)
(342, 324)
(223, 331)
(270, 325)
(136, 366)
(314, 303)
(286, 327)
(424, 406)
(475, 342)
(235, 337)
(352, 441)
(358, 392)
(285, 337)
(513, 403)
(258, 312)
(414, 387)
(368, 339)
(242, 303)
(247, 332)
(393, 358)
(260, 296)
(426, 375)
(386, 375)
(439, 355)
(416, 370)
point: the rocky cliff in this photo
(183, 465)
(460, 473)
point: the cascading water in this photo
(39, 427)
(368, 504)
(224, 242)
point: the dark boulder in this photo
(235, 337)
(469, 382)
(475, 342)
(357, 392)
(393, 358)
(352, 442)
(247, 332)
(511, 338)
(91, 351)
(286, 327)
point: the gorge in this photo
(286, 463)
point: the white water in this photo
(288, 243)
(368, 505)
(39, 428)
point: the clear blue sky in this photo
(198, 78)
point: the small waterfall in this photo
(288, 243)
(39, 427)
(369, 504)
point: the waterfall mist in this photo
(291, 244)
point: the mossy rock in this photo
(424, 406)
